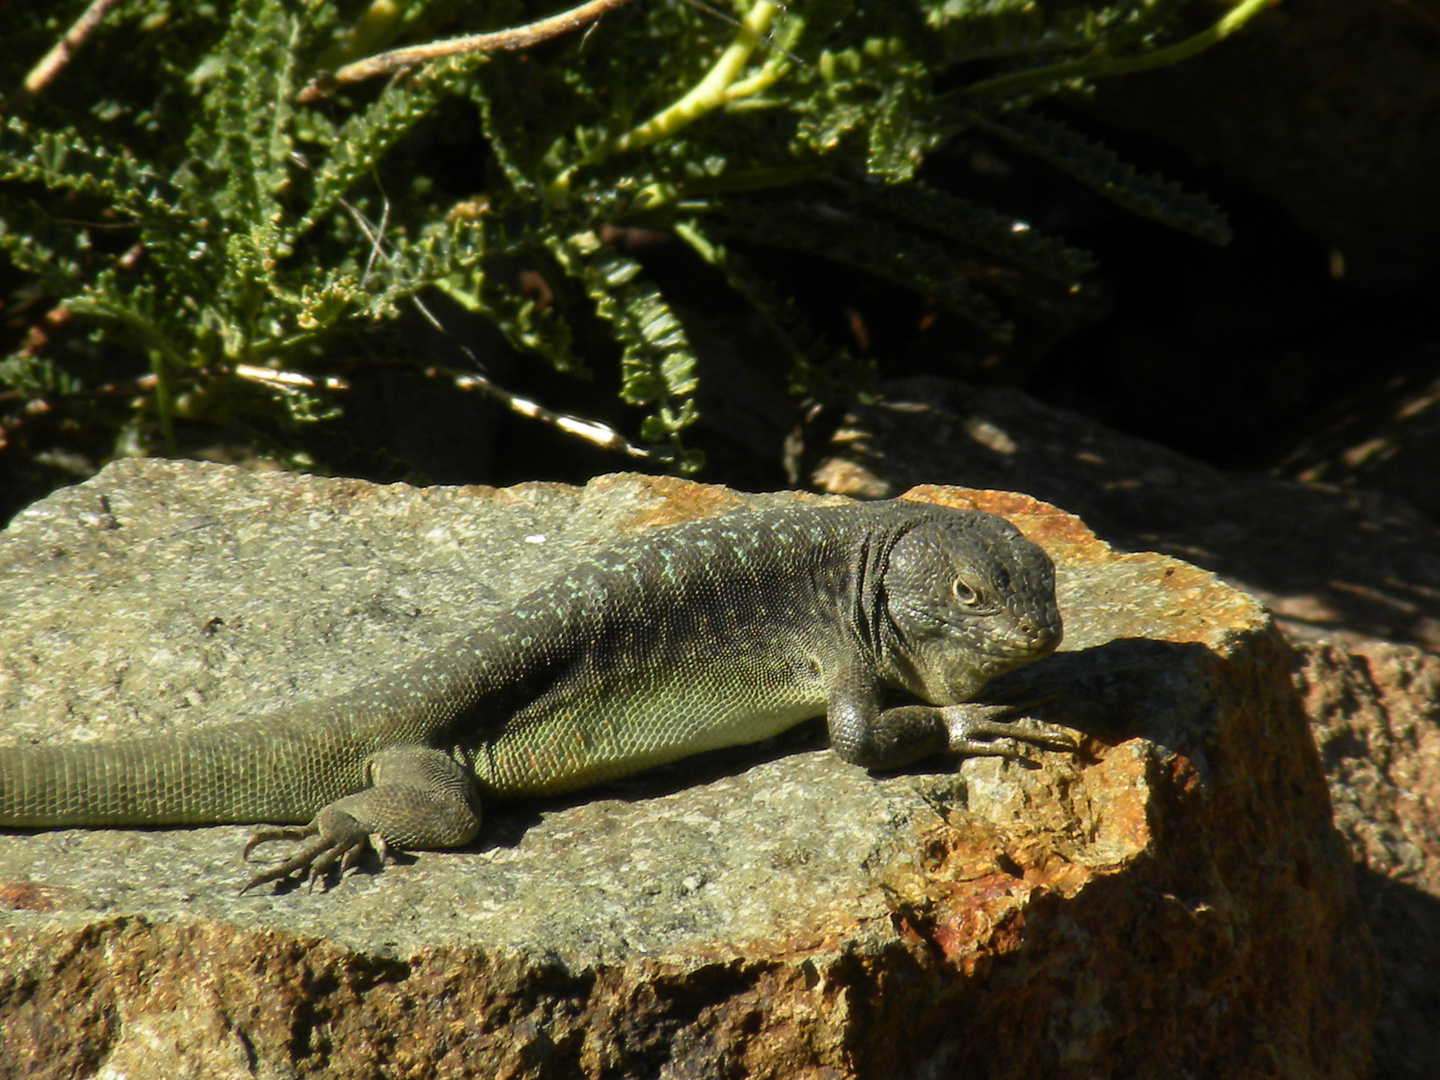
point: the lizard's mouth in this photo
(949, 683)
(1018, 644)
(1022, 643)
(1043, 640)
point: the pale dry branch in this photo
(50, 65)
(515, 37)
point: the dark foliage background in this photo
(193, 263)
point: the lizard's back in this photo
(656, 646)
(659, 645)
(717, 635)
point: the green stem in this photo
(155, 339)
(164, 407)
(157, 346)
(372, 30)
(710, 92)
(716, 89)
(1099, 67)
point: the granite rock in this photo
(1354, 580)
(1172, 900)
(1375, 709)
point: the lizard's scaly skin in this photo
(659, 645)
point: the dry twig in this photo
(516, 37)
(50, 65)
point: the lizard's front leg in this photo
(418, 798)
(864, 734)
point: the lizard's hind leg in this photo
(418, 798)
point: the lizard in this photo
(654, 646)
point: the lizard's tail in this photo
(243, 773)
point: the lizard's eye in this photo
(964, 593)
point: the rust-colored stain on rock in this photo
(28, 896)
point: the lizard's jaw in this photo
(949, 672)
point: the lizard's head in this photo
(967, 598)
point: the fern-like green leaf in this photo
(64, 160)
(141, 313)
(528, 323)
(980, 227)
(42, 248)
(891, 252)
(1098, 168)
(197, 216)
(1007, 29)
(657, 365)
(24, 371)
(249, 89)
(363, 140)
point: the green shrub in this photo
(217, 241)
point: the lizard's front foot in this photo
(979, 730)
(335, 841)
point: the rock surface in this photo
(1376, 714)
(1341, 569)
(1389, 444)
(1170, 901)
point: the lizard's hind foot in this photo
(335, 841)
(419, 798)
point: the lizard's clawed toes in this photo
(1002, 731)
(333, 843)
